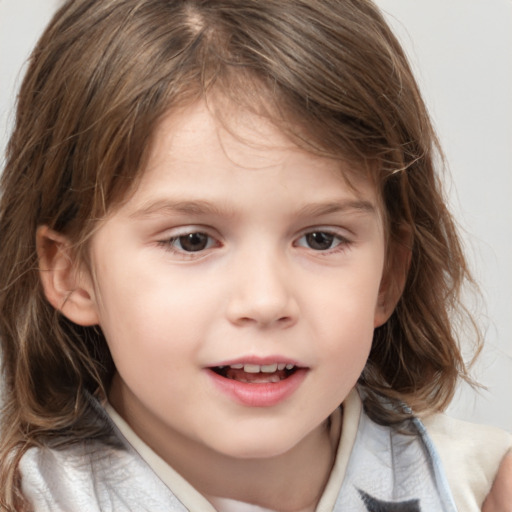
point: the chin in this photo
(259, 446)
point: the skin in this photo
(260, 287)
(500, 497)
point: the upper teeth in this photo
(264, 368)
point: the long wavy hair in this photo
(328, 73)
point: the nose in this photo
(262, 292)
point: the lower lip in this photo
(266, 394)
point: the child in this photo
(221, 220)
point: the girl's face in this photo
(238, 289)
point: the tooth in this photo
(269, 368)
(274, 378)
(252, 368)
(281, 366)
(237, 366)
(290, 366)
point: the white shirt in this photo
(470, 454)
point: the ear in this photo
(67, 286)
(394, 276)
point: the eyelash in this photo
(341, 242)
(169, 244)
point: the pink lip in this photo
(266, 394)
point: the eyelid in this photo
(178, 231)
(339, 233)
(172, 235)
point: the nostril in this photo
(263, 307)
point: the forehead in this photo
(188, 140)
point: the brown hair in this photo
(328, 72)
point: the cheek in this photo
(146, 337)
(347, 303)
(345, 320)
(154, 314)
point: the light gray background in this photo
(462, 55)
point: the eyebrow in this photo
(358, 205)
(207, 208)
(170, 207)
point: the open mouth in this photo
(256, 374)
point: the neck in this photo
(289, 482)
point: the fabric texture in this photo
(470, 454)
(377, 468)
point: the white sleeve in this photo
(471, 455)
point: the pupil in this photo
(320, 241)
(194, 242)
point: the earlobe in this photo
(66, 287)
(385, 307)
(394, 278)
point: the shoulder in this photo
(470, 454)
(65, 477)
(94, 476)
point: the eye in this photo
(320, 240)
(193, 242)
(189, 242)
